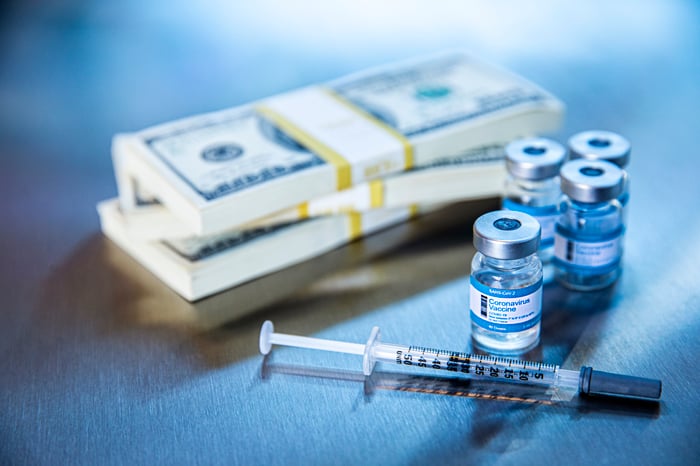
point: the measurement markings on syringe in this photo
(484, 366)
(585, 381)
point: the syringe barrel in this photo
(468, 365)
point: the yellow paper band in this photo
(376, 193)
(344, 173)
(355, 219)
(407, 148)
(413, 211)
(303, 210)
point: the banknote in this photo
(227, 168)
(472, 174)
(200, 266)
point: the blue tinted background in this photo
(86, 379)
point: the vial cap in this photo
(506, 234)
(591, 180)
(600, 145)
(534, 158)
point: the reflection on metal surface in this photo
(465, 388)
(400, 382)
(471, 366)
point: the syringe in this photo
(586, 380)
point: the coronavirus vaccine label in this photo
(587, 253)
(505, 311)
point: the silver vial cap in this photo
(600, 145)
(534, 158)
(506, 234)
(591, 180)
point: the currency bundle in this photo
(213, 200)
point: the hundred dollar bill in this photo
(472, 174)
(223, 169)
(200, 266)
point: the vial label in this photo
(587, 253)
(503, 310)
(547, 217)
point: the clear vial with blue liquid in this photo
(588, 236)
(608, 146)
(532, 186)
(505, 292)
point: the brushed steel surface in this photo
(101, 364)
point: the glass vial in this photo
(505, 296)
(588, 236)
(532, 186)
(608, 146)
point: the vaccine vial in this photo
(588, 236)
(608, 146)
(505, 292)
(532, 186)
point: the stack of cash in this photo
(215, 200)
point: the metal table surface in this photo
(102, 364)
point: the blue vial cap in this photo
(506, 234)
(534, 158)
(600, 145)
(591, 181)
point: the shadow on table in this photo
(99, 292)
(567, 314)
(102, 295)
